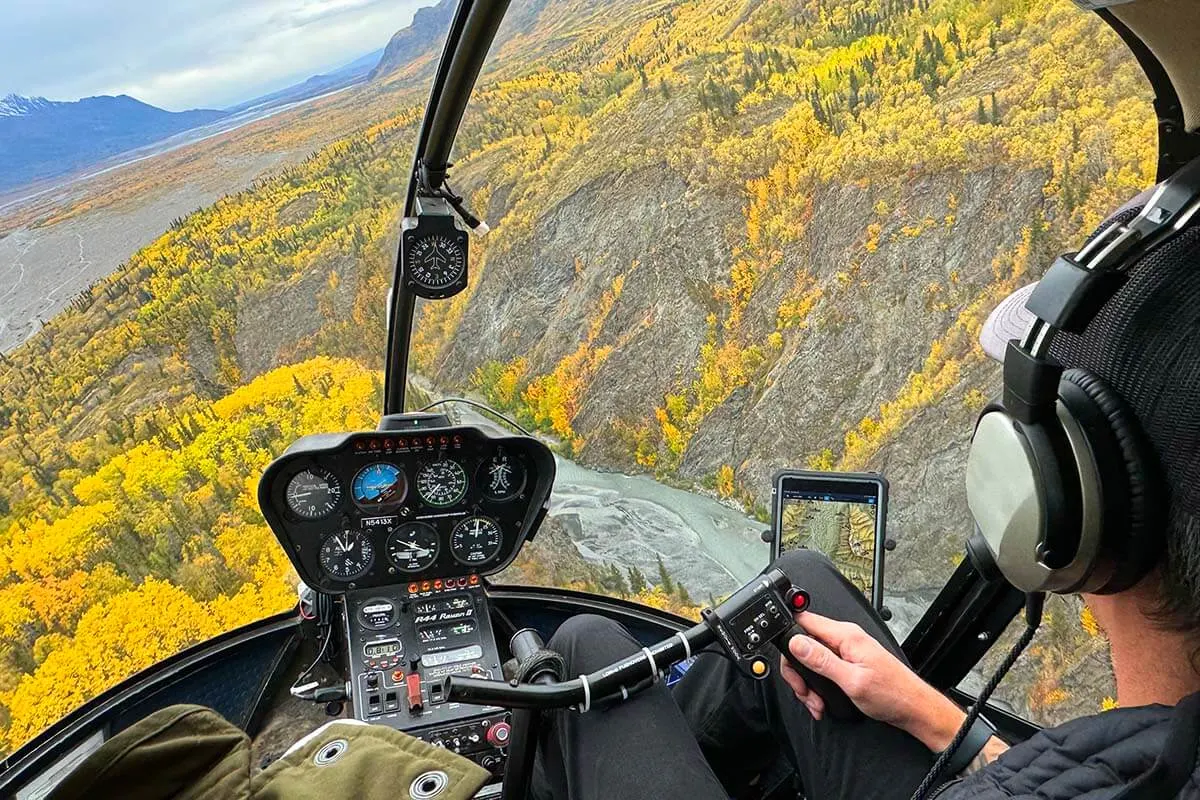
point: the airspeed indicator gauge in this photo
(434, 257)
(442, 483)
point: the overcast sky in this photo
(181, 54)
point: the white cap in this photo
(1010, 320)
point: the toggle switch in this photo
(415, 703)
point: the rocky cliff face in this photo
(424, 35)
(870, 330)
(537, 299)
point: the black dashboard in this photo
(365, 510)
(400, 526)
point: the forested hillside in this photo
(731, 235)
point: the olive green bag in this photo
(191, 753)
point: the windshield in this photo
(727, 240)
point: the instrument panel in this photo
(362, 510)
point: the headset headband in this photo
(1078, 285)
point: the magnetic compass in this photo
(435, 257)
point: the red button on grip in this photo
(798, 599)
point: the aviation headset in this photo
(1061, 480)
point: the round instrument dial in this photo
(436, 261)
(377, 613)
(442, 483)
(413, 547)
(476, 541)
(347, 555)
(501, 477)
(313, 493)
(380, 486)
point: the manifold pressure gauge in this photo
(434, 254)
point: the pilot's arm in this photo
(882, 686)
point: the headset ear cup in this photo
(1132, 537)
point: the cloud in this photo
(185, 53)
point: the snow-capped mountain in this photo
(41, 138)
(14, 105)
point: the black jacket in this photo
(1140, 753)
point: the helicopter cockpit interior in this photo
(400, 536)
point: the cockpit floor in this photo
(289, 719)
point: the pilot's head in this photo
(1145, 345)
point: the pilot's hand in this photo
(881, 685)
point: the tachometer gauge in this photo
(347, 555)
(313, 493)
(380, 486)
(501, 477)
(475, 541)
(413, 547)
(442, 483)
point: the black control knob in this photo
(372, 680)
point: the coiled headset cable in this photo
(1034, 603)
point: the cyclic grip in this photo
(760, 614)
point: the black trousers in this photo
(720, 729)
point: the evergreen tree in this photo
(682, 593)
(637, 581)
(664, 578)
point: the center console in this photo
(402, 644)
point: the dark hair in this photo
(1145, 344)
(1179, 607)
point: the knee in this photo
(588, 642)
(804, 566)
(584, 629)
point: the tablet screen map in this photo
(841, 529)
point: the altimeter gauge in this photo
(442, 483)
(347, 554)
(434, 257)
(476, 541)
(313, 493)
(413, 547)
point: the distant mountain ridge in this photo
(42, 138)
(346, 75)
